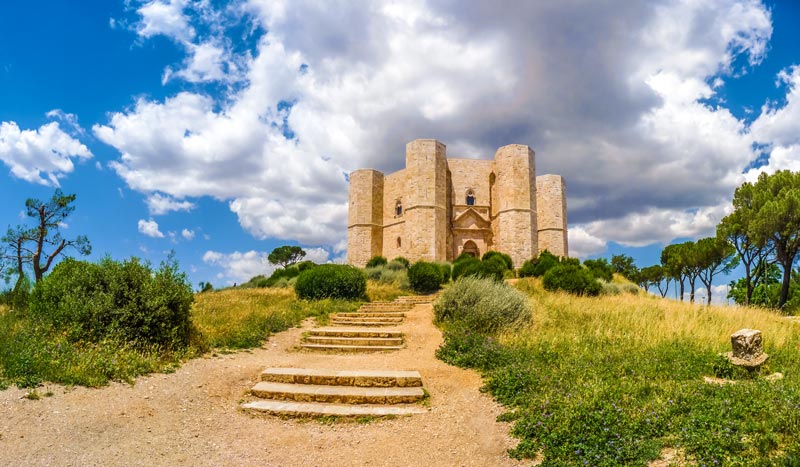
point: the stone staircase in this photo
(315, 393)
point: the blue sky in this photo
(221, 130)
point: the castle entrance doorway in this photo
(471, 249)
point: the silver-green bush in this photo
(482, 305)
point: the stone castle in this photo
(437, 208)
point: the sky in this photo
(221, 130)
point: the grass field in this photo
(615, 380)
(31, 353)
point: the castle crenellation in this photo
(437, 208)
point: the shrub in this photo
(544, 263)
(506, 258)
(125, 301)
(446, 270)
(630, 288)
(424, 277)
(331, 281)
(303, 265)
(403, 261)
(527, 268)
(280, 276)
(467, 266)
(573, 279)
(395, 265)
(495, 267)
(374, 273)
(600, 269)
(376, 261)
(483, 305)
(608, 288)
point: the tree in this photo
(734, 229)
(774, 217)
(286, 255)
(674, 264)
(30, 245)
(713, 255)
(651, 275)
(624, 265)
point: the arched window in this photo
(398, 208)
(471, 249)
(470, 198)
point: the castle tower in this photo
(365, 216)
(551, 199)
(426, 225)
(515, 170)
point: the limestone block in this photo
(748, 349)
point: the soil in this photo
(192, 416)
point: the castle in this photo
(437, 208)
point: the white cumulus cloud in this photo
(187, 234)
(150, 228)
(159, 204)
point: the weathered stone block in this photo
(748, 348)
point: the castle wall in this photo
(365, 216)
(551, 199)
(515, 173)
(426, 190)
(394, 189)
(470, 174)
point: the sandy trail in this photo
(192, 417)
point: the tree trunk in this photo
(748, 280)
(787, 277)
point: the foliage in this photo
(714, 255)
(205, 287)
(624, 265)
(506, 258)
(388, 275)
(446, 269)
(28, 247)
(395, 265)
(331, 281)
(572, 279)
(403, 261)
(376, 261)
(600, 268)
(495, 267)
(482, 305)
(424, 277)
(286, 255)
(538, 266)
(128, 302)
(466, 265)
(615, 381)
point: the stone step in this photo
(311, 409)
(337, 394)
(354, 340)
(339, 322)
(370, 314)
(373, 305)
(360, 378)
(355, 332)
(377, 319)
(351, 348)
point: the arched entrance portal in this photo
(471, 249)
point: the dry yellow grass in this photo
(647, 319)
(383, 292)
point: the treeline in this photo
(762, 234)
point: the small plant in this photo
(482, 305)
(506, 258)
(395, 265)
(495, 267)
(446, 269)
(403, 261)
(424, 277)
(331, 281)
(572, 279)
(600, 269)
(467, 266)
(376, 261)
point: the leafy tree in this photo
(600, 268)
(734, 229)
(766, 292)
(624, 265)
(713, 255)
(286, 255)
(774, 217)
(206, 287)
(649, 276)
(673, 263)
(30, 245)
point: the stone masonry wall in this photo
(552, 214)
(515, 173)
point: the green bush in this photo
(495, 267)
(424, 277)
(402, 261)
(483, 305)
(446, 270)
(125, 301)
(331, 281)
(600, 269)
(303, 265)
(527, 268)
(376, 261)
(467, 266)
(573, 279)
(395, 265)
(506, 258)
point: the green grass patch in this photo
(614, 380)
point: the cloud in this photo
(150, 228)
(624, 105)
(239, 267)
(187, 234)
(582, 244)
(159, 204)
(43, 155)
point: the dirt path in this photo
(192, 417)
